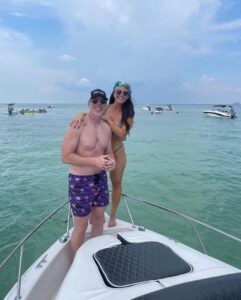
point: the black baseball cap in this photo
(98, 93)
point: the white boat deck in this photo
(53, 277)
(84, 281)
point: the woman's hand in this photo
(108, 119)
(75, 123)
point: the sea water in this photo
(177, 159)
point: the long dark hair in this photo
(127, 110)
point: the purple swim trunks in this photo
(86, 192)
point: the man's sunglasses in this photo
(119, 92)
(102, 101)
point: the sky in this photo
(170, 51)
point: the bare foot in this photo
(112, 222)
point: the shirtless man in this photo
(88, 151)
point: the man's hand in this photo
(110, 164)
(105, 162)
(101, 161)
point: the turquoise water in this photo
(182, 160)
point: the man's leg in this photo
(97, 220)
(78, 235)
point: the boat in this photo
(11, 109)
(146, 107)
(158, 110)
(128, 261)
(168, 107)
(221, 111)
(41, 110)
(26, 111)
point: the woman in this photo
(119, 115)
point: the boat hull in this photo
(218, 114)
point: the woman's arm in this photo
(121, 132)
(75, 123)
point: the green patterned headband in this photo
(125, 84)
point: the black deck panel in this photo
(132, 263)
(226, 287)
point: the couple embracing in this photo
(92, 146)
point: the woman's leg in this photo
(116, 179)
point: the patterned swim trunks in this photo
(86, 192)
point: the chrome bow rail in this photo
(21, 247)
(192, 220)
(65, 237)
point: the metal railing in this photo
(190, 219)
(64, 238)
(27, 237)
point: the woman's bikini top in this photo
(114, 135)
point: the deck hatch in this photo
(134, 263)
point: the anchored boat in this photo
(158, 110)
(146, 107)
(127, 262)
(168, 107)
(221, 111)
(11, 109)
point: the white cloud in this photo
(66, 57)
(108, 40)
(47, 3)
(84, 81)
(12, 40)
(18, 14)
(25, 78)
(227, 26)
(210, 86)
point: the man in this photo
(88, 151)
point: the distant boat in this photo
(158, 110)
(168, 107)
(146, 107)
(221, 111)
(11, 109)
(26, 111)
(41, 110)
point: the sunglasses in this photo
(102, 101)
(124, 93)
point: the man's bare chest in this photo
(93, 139)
